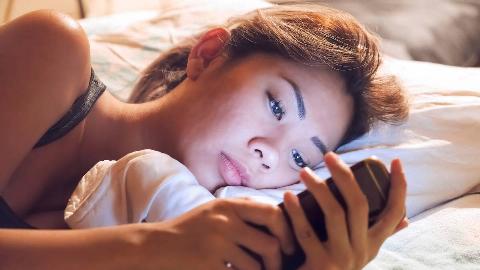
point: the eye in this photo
(298, 159)
(276, 107)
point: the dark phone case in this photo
(373, 179)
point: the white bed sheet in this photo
(445, 237)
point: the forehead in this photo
(328, 105)
(320, 80)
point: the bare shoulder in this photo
(44, 67)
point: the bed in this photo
(439, 144)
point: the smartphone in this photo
(374, 181)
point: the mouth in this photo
(232, 172)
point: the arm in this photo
(204, 238)
(107, 248)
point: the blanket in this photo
(444, 238)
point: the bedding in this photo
(443, 31)
(142, 186)
(447, 238)
(438, 145)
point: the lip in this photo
(232, 171)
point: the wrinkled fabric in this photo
(143, 186)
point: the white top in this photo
(142, 186)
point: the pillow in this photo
(438, 145)
(429, 30)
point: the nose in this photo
(264, 153)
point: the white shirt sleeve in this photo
(142, 186)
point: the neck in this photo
(114, 129)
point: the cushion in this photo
(429, 30)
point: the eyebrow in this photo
(298, 96)
(319, 144)
(302, 112)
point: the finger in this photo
(356, 201)
(239, 259)
(304, 232)
(270, 216)
(334, 215)
(394, 210)
(261, 243)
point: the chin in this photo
(200, 169)
(206, 182)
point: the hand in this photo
(351, 244)
(209, 236)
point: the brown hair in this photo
(313, 35)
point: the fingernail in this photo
(335, 158)
(398, 164)
(310, 172)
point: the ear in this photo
(207, 48)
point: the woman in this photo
(272, 92)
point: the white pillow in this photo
(438, 31)
(439, 145)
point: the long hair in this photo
(312, 35)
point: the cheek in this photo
(202, 165)
(292, 178)
(282, 178)
(228, 121)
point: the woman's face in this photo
(257, 121)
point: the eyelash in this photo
(298, 159)
(278, 111)
(276, 107)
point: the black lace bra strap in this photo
(79, 110)
(8, 219)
